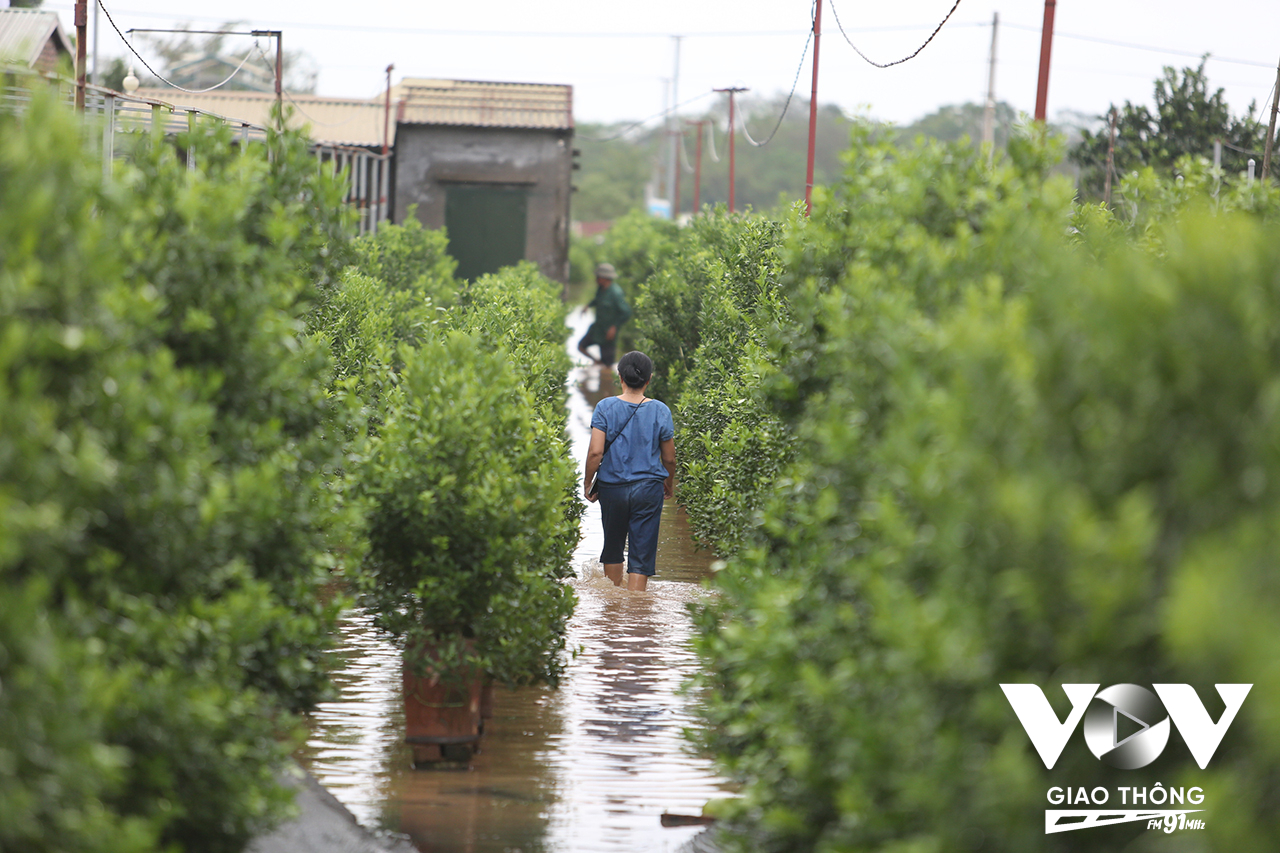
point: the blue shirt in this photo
(636, 454)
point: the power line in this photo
(270, 64)
(871, 61)
(374, 28)
(1226, 144)
(684, 157)
(794, 83)
(636, 124)
(711, 137)
(1148, 47)
(160, 76)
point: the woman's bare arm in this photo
(668, 449)
(595, 452)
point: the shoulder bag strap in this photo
(608, 441)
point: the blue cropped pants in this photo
(631, 511)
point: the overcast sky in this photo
(619, 56)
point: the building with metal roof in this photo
(33, 39)
(473, 103)
(332, 121)
(491, 163)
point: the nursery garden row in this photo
(957, 430)
(222, 419)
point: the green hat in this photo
(606, 271)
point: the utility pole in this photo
(675, 196)
(1271, 129)
(697, 168)
(278, 36)
(82, 23)
(813, 110)
(1111, 157)
(1217, 167)
(280, 76)
(989, 110)
(386, 115)
(96, 79)
(733, 91)
(1046, 43)
(673, 123)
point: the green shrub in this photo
(1016, 462)
(518, 311)
(228, 252)
(56, 771)
(408, 257)
(468, 536)
(637, 245)
(364, 322)
(166, 461)
(731, 448)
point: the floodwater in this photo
(585, 768)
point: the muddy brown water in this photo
(588, 767)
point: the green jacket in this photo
(611, 307)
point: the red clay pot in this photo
(442, 718)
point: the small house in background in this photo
(34, 39)
(490, 162)
(206, 70)
(332, 121)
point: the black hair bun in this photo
(636, 369)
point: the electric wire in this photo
(624, 131)
(160, 76)
(267, 60)
(427, 31)
(1265, 101)
(794, 83)
(684, 157)
(1135, 46)
(871, 61)
(1226, 144)
(711, 137)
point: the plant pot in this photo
(486, 703)
(442, 718)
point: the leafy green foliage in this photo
(468, 538)
(1022, 455)
(954, 122)
(58, 769)
(518, 311)
(707, 319)
(468, 492)
(167, 451)
(1146, 202)
(617, 163)
(410, 259)
(1186, 121)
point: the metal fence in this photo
(368, 174)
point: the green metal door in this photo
(487, 224)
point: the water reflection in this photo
(588, 767)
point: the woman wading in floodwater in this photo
(632, 463)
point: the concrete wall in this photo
(430, 157)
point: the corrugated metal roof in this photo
(350, 121)
(24, 33)
(475, 103)
(336, 121)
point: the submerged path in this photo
(589, 767)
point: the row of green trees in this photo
(466, 480)
(1188, 116)
(954, 431)
(167, 459)
(212, 403)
